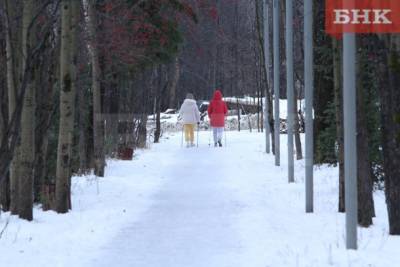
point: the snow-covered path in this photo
(232, 207)
(192, 219)
(198, 207)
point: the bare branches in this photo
(12, 131)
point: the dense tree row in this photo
(68, 68)
(377, 108)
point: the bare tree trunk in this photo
(69, 21)
(364, 181)
(157, 133)
(5, 193)
(390, 111)
(11, 88)
(83, 159)
(142, 131)
(98, 124)
(266, 66)
(174, 84)
(339, 117)
(297, 140)
(159, 93)
(46, 106)
(10, 140)
(238, 113)
(364, 166)
(27, 146)
(44, 111)
(2, 121)
(4, 181)
(4, 184)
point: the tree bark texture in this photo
(174, 83)
(364, 178)
(27, 146)
(297, 140)
(11, 89)
(98, 123)
(337, 81)
(67, 109)
(390, 112)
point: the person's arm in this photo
(225, 109)
(180, 113)
(197, 113)
(209, 109)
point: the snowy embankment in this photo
(101, 207)
(199, 207)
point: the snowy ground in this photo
(198, 207)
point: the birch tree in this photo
(69, 18)
(9, 8)
(98, 131)
(27, 145)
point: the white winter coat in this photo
(189, 112)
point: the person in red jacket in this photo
(217, 111)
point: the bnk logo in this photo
(362, 16)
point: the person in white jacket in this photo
(190, 116)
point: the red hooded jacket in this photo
(217, 110)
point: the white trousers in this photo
(218, 133)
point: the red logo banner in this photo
(362, 16)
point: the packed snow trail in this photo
(191, 222)
(231, 207)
